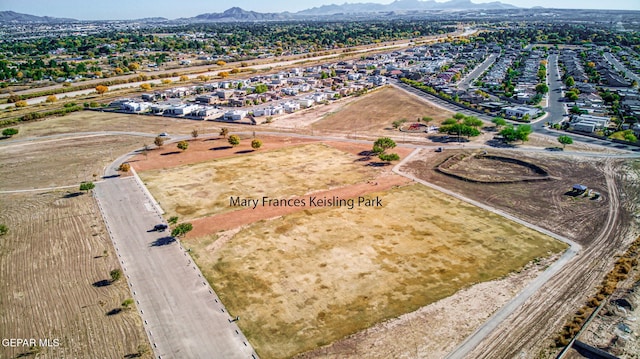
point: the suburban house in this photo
(589, 123)
(521, 111)
(235, 115)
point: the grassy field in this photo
(374, 113)
(307, 279)
(202, 189)
(56, 249)
(60, 162)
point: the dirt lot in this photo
(56, 249)
(374, 113)
(604, 228)
(203, 189)
(316, 276)
(545, 203)
(75, 160)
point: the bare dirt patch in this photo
(312, 277)
(484, 168)
(544, 203)
(201, 150)
(52, 263)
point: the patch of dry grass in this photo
(376, 112)
(202, 189)
(310, 278)
(60, 162)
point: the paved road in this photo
(556, 110)
(487, 327)
(182, 315)
(479, 70)
(620, 67)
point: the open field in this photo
(603, 227)
(316, 276)
(57, 248)
(202, 189)
(60, 162)
(87, 121)
(374, 113)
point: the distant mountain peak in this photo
(12, 16)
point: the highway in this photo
(182, 315)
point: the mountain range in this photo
(238, 14)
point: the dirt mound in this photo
(485, 168)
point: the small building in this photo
(206, 99)
(521, 111)
(235, 115)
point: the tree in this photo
(142, 350)
(629, 136)
(396, 124)
(115, 275)
(101, 89)
(512, 134)
(3, 229)
(166, 81)
(570, 82)
(256, 144)
(499, 122)
(565, 140)
(158, 141)
(388, 157)
(234, 140)
(459, 116)
(184, 78)
(194, 133)
(220, 63)
(224, 132)
(172, 220)
(223, 74)
(382, 144)
(542, 88)
(146, 86)
(183, 145)
(472, 121)
(51, 99)
(181, 229)
(8, 132)
(87, 186)
(21, 103)
(133, 66)
(124, 167)
(126, 304)
(427, 119)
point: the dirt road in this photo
(529, 331)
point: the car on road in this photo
(164, 134)
(160, 227)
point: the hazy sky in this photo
(128, 9)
